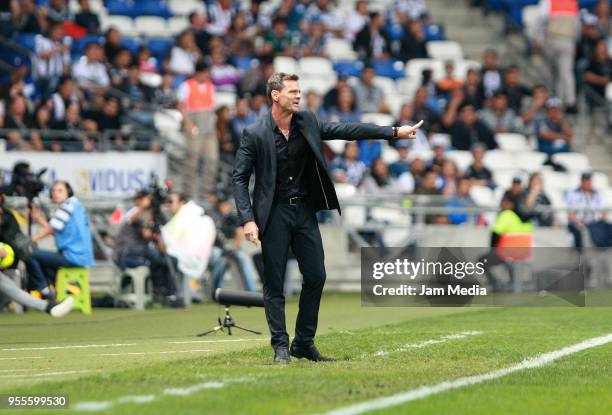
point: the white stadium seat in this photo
(531, 21)
(609, 92)
(316, 66)
(444, 50)
(388, 154)
(482, 195)
(319, 84)
(600, 181)
(378, 118)
(176, 25)
(123, 23)
(386, 84)
(337, 146)
(225, 98)
(151, 79)
(529, 160)
(344, 190)
(556, 180)
(408, 86)
(285, 64)
(503, 177)
(463, 159)
(462, 67)
(339, 50)
(498, 159)
(512, 142)
(415, 67)
(184, 7)
(573, 161)
(151, 26)
(395, 102)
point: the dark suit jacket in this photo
(258, 151)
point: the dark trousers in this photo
(42, 267)
(292, 226)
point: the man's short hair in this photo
(182, 197)
(275, 83)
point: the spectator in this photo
(490, 73)
(423, 111)
(227, 146)
(413, 44)
(144, 60)
(406, 117)
(19, 121)
(239, 38)
(460, 199)
(561, 24)
(64, 96)
(220, 14)
(313, 40)
(368, 96)
(326, 13)
(279, 40)
(514, 89)
(70, 227)
(185, 54)
(604, 23)
(28, 18)
(402, 165)
(225, 76)
(598, 74)
(535, 198)
(87, 19)
(516, 193)
(138, 243)
(439, 145)
(75, 128)
(346, 111)
(499, 117)
(330, 99)
(477, 172)
(52, 59)
(429, 186)
(59, 11)
(42, 122)
(554, 133)
(535, 111)
(372, 42)
(410, 10)
(585, 197)
(449, 83)
(198, 24)
(108, 119)
(257, 21)
(467, 129)
(90, 71)
(449, 176)
(292, 12)
(313, 104)
(590, 34)
(165, 95)
(197, 102)
(347, 168)
(229, 238)
(380, 181)
(473, 91)
(119, 71)
(356, 20)
(112, 43)
(243, 118)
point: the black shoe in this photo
(309, 352)
(281, 355)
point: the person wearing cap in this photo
(292, 183)
(584, 197)
(196, 101)
(554, 133)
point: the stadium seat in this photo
(531, 21)
(408, 86)
(555, 180)
(151, 26)
(160, 47)
(572, 161)
(600, 181)
(346, 68)
(530, 161)
(482, 196)
(498, 159)
(386, 84)
(151, 79)
(445, 50)
(74, 282)
(184, 7)
(176, 25)
(285, 64)
(425, 155)
(131, 43)
(353, 216)
(339, 50)
(395, 102)
(503, 177)
(389, 68)
(609, 91)
(27, 40)
(319, 84)
(157, 8)
(378, 118)
(388, 154)
(168, 120)
(124, 24)
(316, 66)
(225, 98)
(415, 67)
(463, 66)
(512, 142)
(337, 146)
(433, 32)
(463, 159)
(344, 190)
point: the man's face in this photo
(368, 76)
(555, 114)
(468, 115)
(289, 97)
(59, 193)
(500, 103)
(175, 204)
(586, 184)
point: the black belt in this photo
(293, 200)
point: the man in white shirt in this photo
(52, 59)
(90, 71)
(585, 197)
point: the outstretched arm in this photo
(365, 131)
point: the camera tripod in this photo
(228, 322)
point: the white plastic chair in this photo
(482, 195)
(319, 84)
(444, 50)
(123, 23)
(176, 25)
(316, 66)
(225, 98)
(572, 161)
(388, 154)
(462, 67)
(337, 146)
(512, 142)
(184, 7)
(530, 160)
(378, 118)
(463, 159)
(339, 50)
(386, 84)
(414, 68)
(151, 26)
(498, 159)
(285, 64)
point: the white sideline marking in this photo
(82, 346)
(426, 343)
(145, 353)
(69, 372)
(19, 358)
(425, 391)
(217, 341)
(142, 399)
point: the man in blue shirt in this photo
(70, 227)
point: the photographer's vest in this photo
(200, 96)
(563, 18)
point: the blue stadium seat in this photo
(78, 47)
(245, 63)
(153, 8)
(395, 31)
(26, 40)
(348, 68)
(178, 79)
(160, 47)
(434, 32)
(121, 7)
(131, 43)
(389, 68)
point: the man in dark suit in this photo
(292, 183)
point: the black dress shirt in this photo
(292, 157)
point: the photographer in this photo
(70, 227)
(138, 244)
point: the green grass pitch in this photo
(150, 362)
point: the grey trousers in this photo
(13, 292)
(203, 147)
(560, 51)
